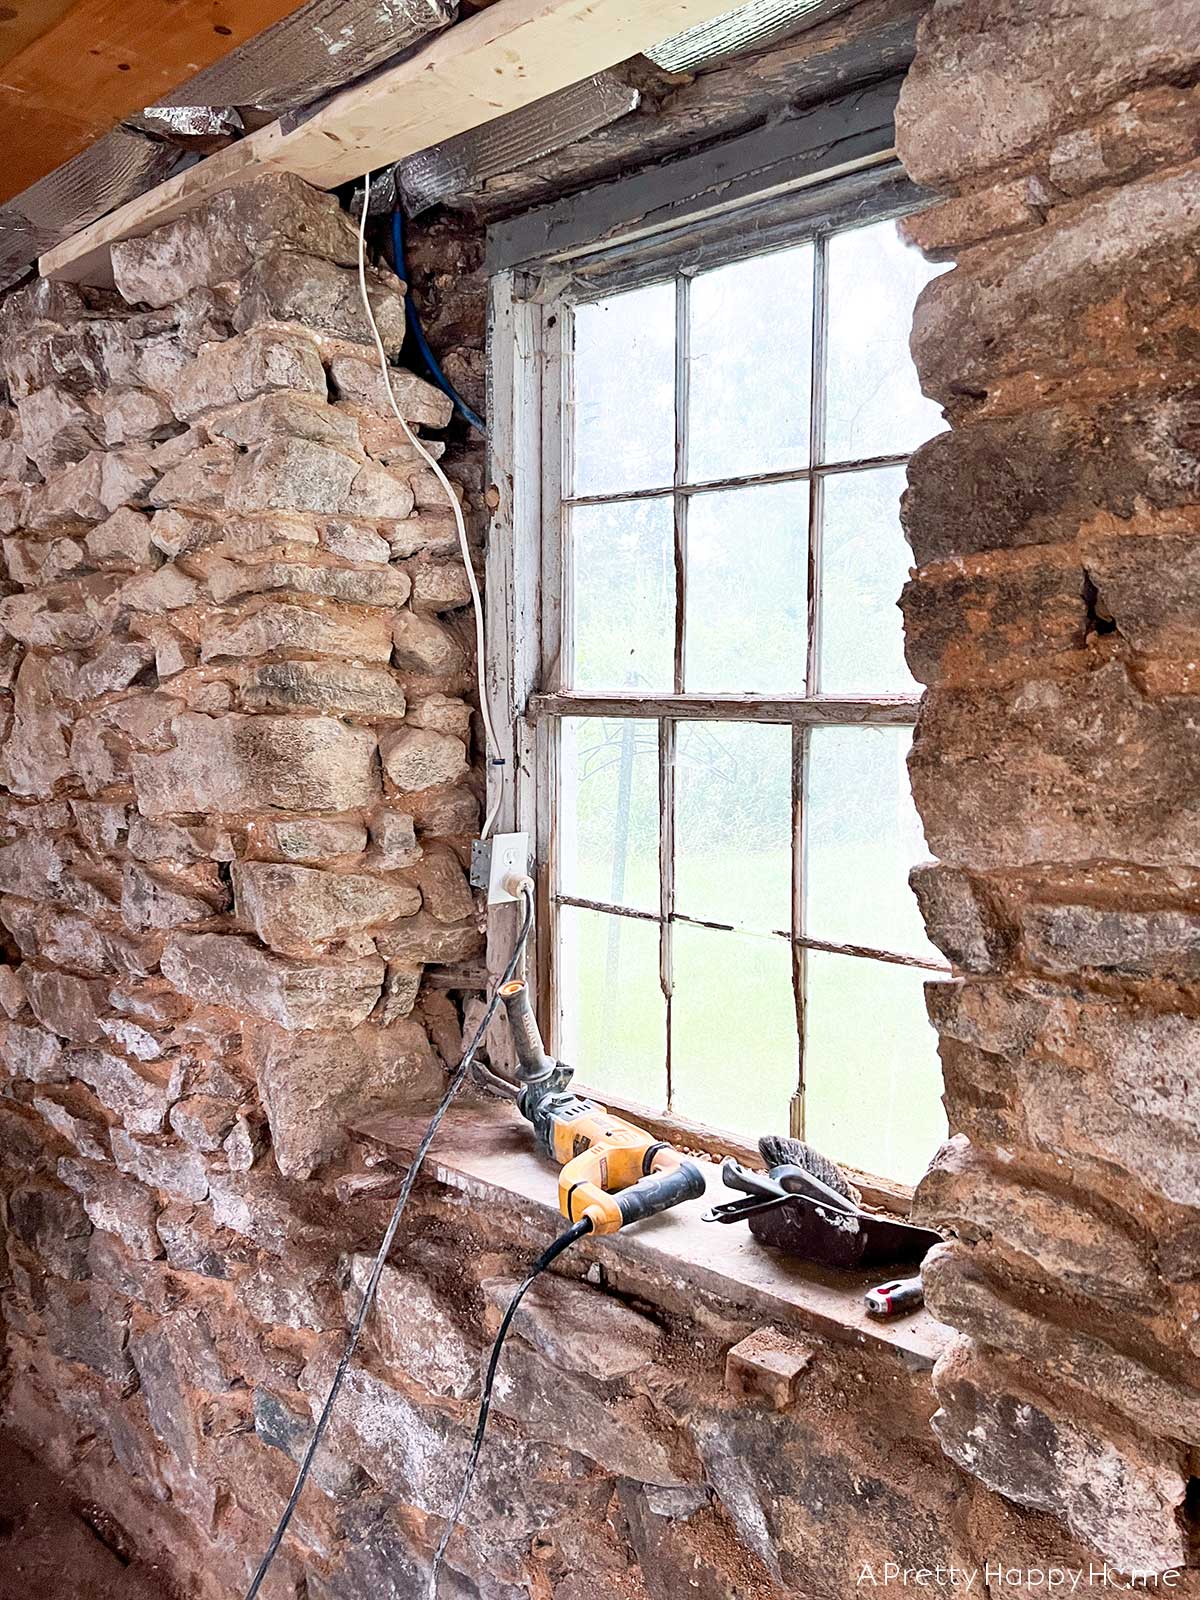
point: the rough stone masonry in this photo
(240, 787)
(1055, 616)
(239, 791)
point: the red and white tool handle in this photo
(891, 1299)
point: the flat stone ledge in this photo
(485, 1150)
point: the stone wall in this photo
(240, 784)
(1054, 615)
(238, 797)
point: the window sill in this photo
(484, 1150)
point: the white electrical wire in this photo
(491, 743)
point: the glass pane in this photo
(608, 821)
(747, 590)
(750, 366)
(861, 836)
(614, 1017)
(623, 392)
(734, 1049)
(872, 1079)
(623, 559)
(733, 823)
(864, 564)
(874, 404)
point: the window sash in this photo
(667, 916)
(539, 568)
(558, 473)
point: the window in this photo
(722, 709)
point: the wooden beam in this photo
(842, 135)
(514, 52)
(873, 39)
(101, 60)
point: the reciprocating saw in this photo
(613, 1172)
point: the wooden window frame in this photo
(528, 632)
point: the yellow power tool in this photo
(613, 1172)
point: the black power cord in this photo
(455, 1084)
(551, 1253)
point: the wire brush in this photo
(779, 1151)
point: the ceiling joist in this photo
(505, 57)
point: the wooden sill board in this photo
(485, 1150)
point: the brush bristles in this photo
(778, 1151)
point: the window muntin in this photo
(734, 940)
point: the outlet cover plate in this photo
(504, 855)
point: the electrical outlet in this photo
(504, 855)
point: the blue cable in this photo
(413, 316)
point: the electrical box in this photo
(503, 856)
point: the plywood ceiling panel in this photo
(23, 21)
(98, 61)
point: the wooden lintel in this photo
(843, 135)
(865, 42)
(511, 54)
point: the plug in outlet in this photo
(495, 860)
